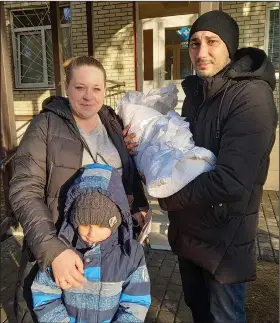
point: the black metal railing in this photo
(115, 92)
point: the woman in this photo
(67, 134)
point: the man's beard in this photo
(206, 72)
(210, 73)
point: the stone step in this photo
(159, 241)
(158, 235)
(160, 224)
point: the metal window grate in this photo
(32, 45)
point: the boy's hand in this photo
(68, 270)
(128, 139)
(140, 216)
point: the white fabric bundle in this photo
(167, 155)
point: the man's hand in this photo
(68, 269)
(128, 139)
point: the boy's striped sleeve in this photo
(135, 298)
(47, 300)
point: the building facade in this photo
(137, 42)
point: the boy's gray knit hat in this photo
(96, 209)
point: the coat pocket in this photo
(216, 215)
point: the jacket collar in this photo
(194, 85)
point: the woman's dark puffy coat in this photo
(49, 155)
(214, 219)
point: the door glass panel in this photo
(177, 60)
(148, 55)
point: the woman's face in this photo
(86, 91)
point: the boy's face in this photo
(93, 233)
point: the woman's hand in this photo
(143, 178)
(68, 270)
(128, 139)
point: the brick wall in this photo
(114, 41)
(251, 18)
(113, 38)
(79, 28)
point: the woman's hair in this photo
(79, 61)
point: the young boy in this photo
(98, 226)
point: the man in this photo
(214, 219)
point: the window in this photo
(273, 47)
(177, 59)
(32, 45)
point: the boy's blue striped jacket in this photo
(118, 286)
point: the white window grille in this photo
(272, 37)
(32, 45)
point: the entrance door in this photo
(165, 57)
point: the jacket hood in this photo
(58, 105)
(105, 180)
(248, 64)
(61, 107)
(252, 63)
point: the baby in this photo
(166, 153)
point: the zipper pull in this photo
(195, 119)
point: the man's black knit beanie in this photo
(221, 24)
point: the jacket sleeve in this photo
(135, 299)
(27, 194)
(246, 139)
(47, 299)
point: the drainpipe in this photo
(135, 44)
(90, 35)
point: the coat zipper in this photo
(49, 179)
(100, 286)
(84, 144)
(199, 109)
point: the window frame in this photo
(266, 38)
(15, 33)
